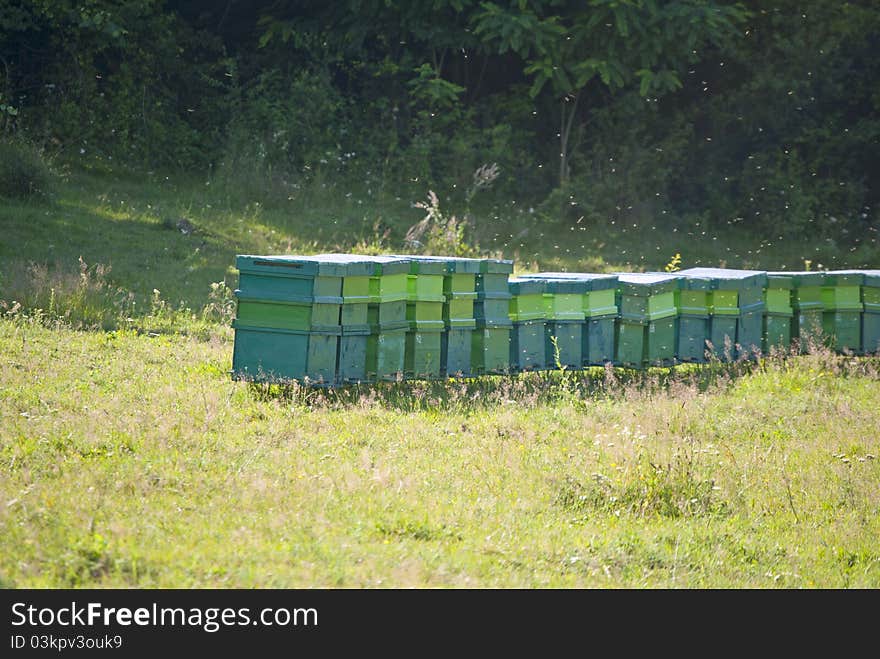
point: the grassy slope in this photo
(131, 459)
(121, 222)
(134, 461)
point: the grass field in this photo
(128, 458)
(129, 225)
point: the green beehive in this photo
(736, 309)
(304, 315)
(287, 324)
(493, 297)
(456, 344)
(527, 311)
(458, 293)
(564, 329)
(750, 332)
(572, 296)
(355, 298)
(424, 313)
(266, 354)
(600, 311)
(356, 271)
(842, 309)
(288, 278)
(425, 296)
(778, 312)
(384, 346)
(490, 347)
(694, 304)
(526, 300)
(459, 287)
(289, 292)
(352, 363)
(646, 331)
(386, 352)
(389, 291)
(493, 275)
(492, 307)
(807, 305)
(871, 312)
(423, 354)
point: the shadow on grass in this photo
(521, 389)
(573, 387)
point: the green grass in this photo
(128, 457)
(133, 460)
(127, 225)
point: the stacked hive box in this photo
(564, 329)
(356, 271)
(341, 318)
(424, 313)
(594, 297)
(528, 313)
(646, 330)
(287, 323)
(736, 309)
(458, 295)
(806, 302)
(778, 312)
(871, 312)
(693, 301)
(842, 309)
(459, 287)
(386, 313)
(600, 309)
(490, 351)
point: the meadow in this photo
(129, 458)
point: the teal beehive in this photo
(646, 330)
(736, 309)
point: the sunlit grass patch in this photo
(131, 459)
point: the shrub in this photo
(23, 171)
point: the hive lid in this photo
(288, 266)
(382, 264)
(647, 283)
(526, 286)
(452, 264)
(425, 265)
(496, 266)
(844, 277)
(779, 280)
(872, 278)
(691, 282)
(727, 278)
(589, 281)
(802, 278)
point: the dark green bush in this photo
(24, 172)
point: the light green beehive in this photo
(778, 312)
(807, 305)
(842, 309)
(871, 312)
(736, 309)
(646, 331)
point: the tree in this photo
(569, 44)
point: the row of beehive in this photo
(340, 318)
(336, 318)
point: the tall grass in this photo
(133, 460)
(87, 299)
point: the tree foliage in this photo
(728, 111)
